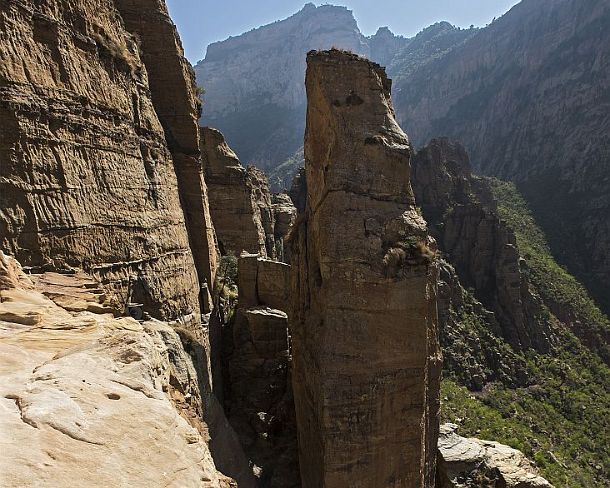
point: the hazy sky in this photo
(201, 22)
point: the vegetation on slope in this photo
(559, 416)
(565, 296)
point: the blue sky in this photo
(201, 22)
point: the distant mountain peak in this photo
(384, 31)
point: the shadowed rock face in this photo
(258, 392)
(87, 175)
(462, 214)
(365, 347)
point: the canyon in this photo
(526, 95)
(166, 319)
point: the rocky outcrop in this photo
(258, 394)
(365, 347)
(247, 217)
(461, 211)
(285, 216)
(234, 197)
(473, 463)
(528, 97)
(309, 28)
(95, 161)
(89, 397)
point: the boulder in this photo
(465, 463)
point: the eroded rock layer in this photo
(234, 197)
(174, 95)
(365, 347)
(247, 217)
(87, 178)
(93, 400)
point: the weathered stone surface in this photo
(461, 212)
(470, 463)
(263, 282)
(87, 178)
(95, 400)
(174, 95)
(258, 394)
(365, 346)
(285, 215)
(240, 201)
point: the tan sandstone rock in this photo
(465, 463)
(99, 145)
(240, 201)
(174, 95)
(87, 399)
(365, 346)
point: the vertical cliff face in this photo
(483, 248)
(247, 217)
(86, 176)
(173, 92)
(237, 217)
(365, 346)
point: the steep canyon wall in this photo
(94, 160)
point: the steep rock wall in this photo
(86, 176)
(365, 346)
(234, 198)
(528, 96)
(174, 95)
(247, 217)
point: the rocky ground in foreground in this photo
(90, 397)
